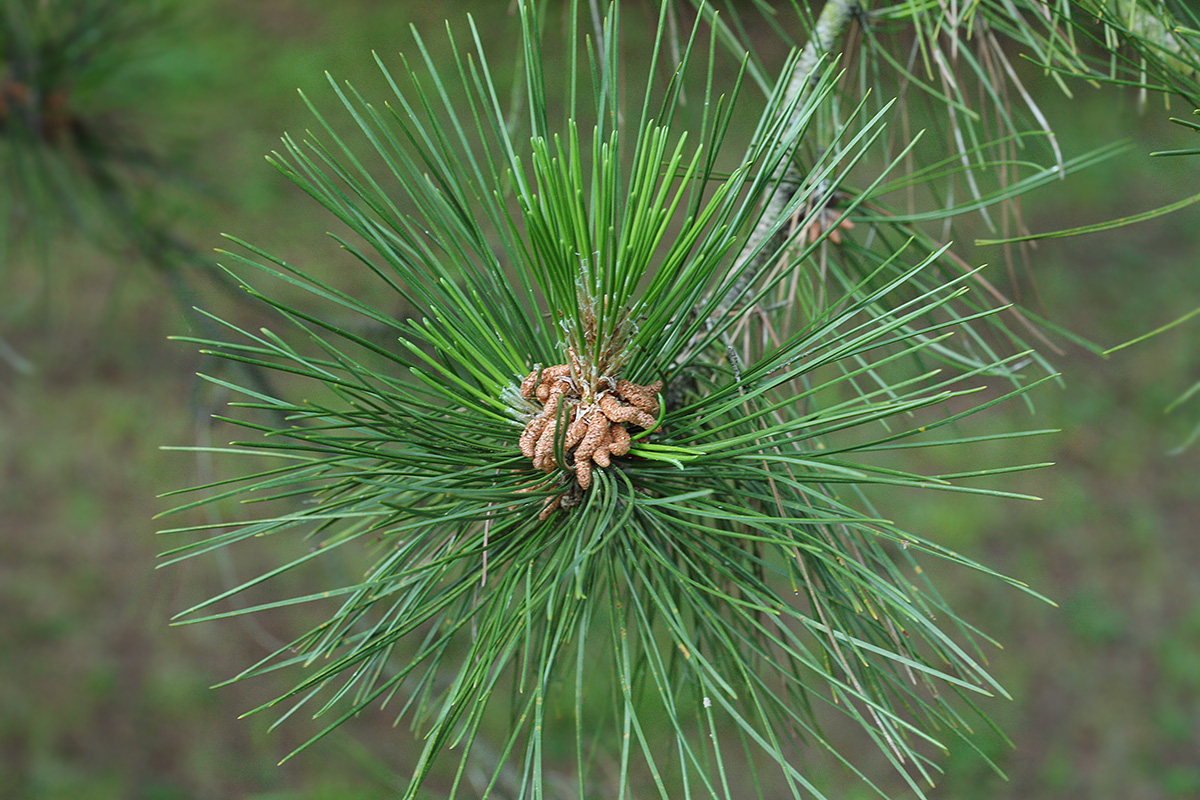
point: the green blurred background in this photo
(100, 698)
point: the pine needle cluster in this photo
(612, 477)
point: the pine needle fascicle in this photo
(716, 588)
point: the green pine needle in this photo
(715, 592)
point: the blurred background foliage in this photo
(99, 698)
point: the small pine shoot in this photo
(611, 479)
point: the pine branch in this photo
(527, 501)
(823, 43)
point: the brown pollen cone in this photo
(596, 418)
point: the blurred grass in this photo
(99, 698)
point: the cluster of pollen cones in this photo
(595, 418)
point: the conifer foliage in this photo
(610, 481)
